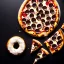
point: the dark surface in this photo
(9, 27)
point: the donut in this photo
(16, 45)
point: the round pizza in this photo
(39, 17)
(55, 42)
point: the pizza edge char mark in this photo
(41, 33)
(59, 45)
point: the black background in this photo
(9, 27)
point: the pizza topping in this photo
(41, 12)
(47, 28)
(38, 17)
(44, 7)
(50, 42)
(47, 23)
(51, 11)
(28, 21)
(28, 5)
(23, 19)
(52, 22)
(33, 25)
(31, 10)
(53, 38)
(47, 3)
(51, 5)
(54, 16)
(33, 20)
(40, 5)
(54, 46)
(37, 30)
(59, 41)
(48, 18)
(46, 12)
(42, 15)
(24, 14)
(59, 37)
(43, 20)
(27, 11)
(29, 27)
(39, 25)
(31, 15)
(34, 5)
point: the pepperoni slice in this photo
(27, 11)
(54, 16)
(42, 20)
(53, 38)
(28, 5)
(40, 5)
(31, 15)
(50, 42)
(46, 28)
(37, 30)
(52, 22)
(51, 5)
(34, 5)
(23, 19)
(42, 15)
(41, 11)
(38, 18)
(54, 46)
(44, 7)
(33, 20)
(48, 18)
(46, 12)
(31, 10)
(28, 21)
(51, 11)
(33, 25)
(47, 23)
(59, 37)
(29, 27)
(59, 42)
(39, 26)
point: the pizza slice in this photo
(42, 53)
(55, 42)
(35, 45)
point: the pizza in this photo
(42, 53)
(39, 17)
(55, 42)
(35, 45)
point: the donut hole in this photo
(16, 45)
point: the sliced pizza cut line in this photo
(35, 45)
(42, 53)
(55, 42)
(39, 18)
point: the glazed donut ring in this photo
(20, 41)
